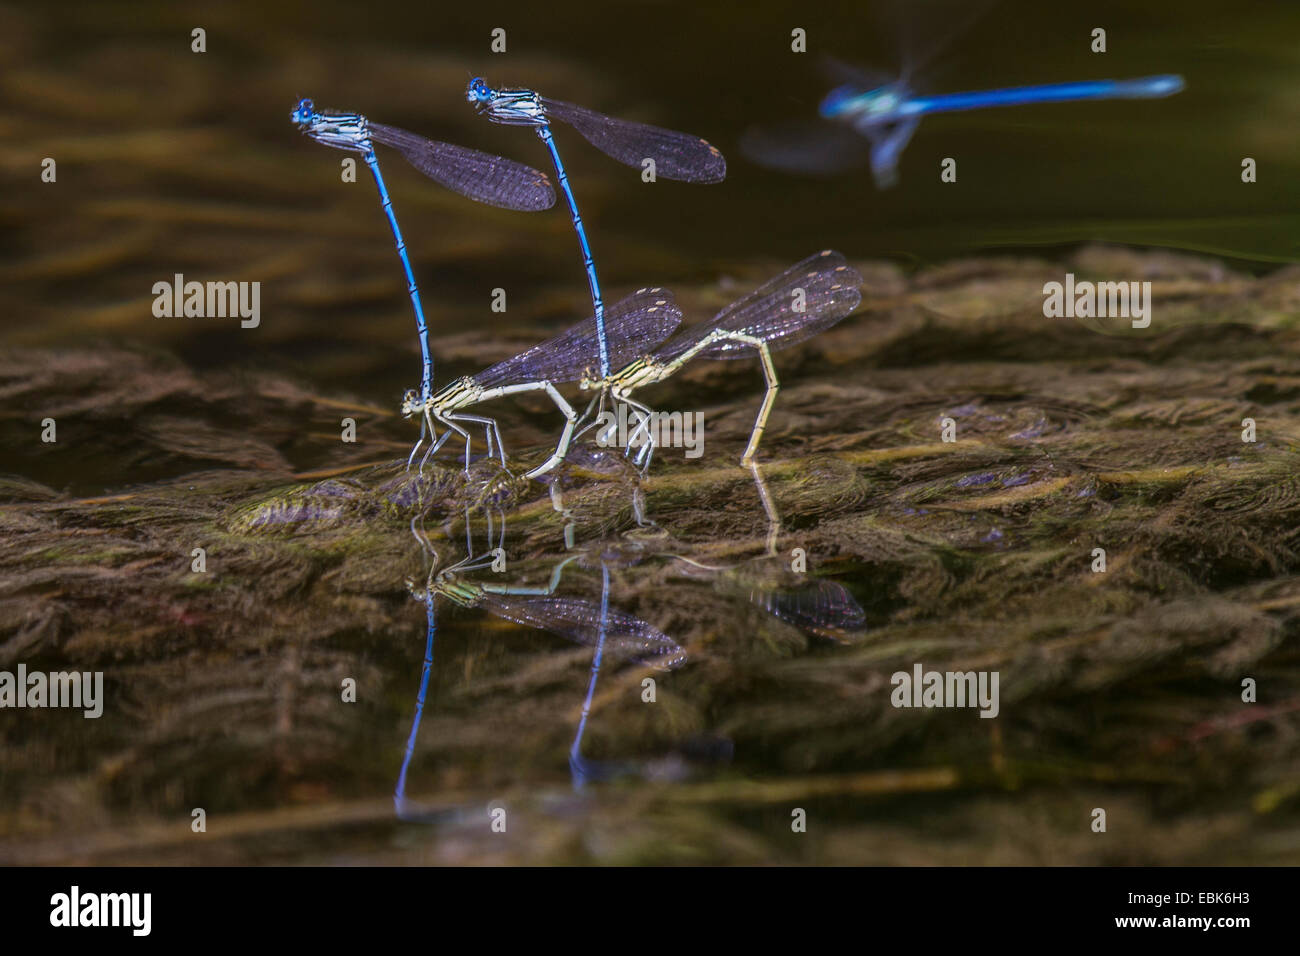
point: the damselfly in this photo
(678, 156)
(646, 316)
(480, 176)
(806, 299)
(887, 112)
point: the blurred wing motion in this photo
(838, 72)
(808, 147)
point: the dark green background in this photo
(177, 162)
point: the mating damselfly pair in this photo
(620, 349)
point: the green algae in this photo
(1119, 689)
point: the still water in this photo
(279, 688)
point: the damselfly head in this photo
(478, 91)
(422, 594)
(409, 403)
(859, 104)
(303, 112)
(838, 101)
(589, 380)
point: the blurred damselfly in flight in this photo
(872, 115)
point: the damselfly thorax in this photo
(464, 391)
(636, 374)
(865, 108)
(508, 107)
(455, 590)
(348, 131)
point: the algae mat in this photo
(1119, 689)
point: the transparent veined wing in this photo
(480, 176)
(824, 608)
(580, 621)
(806, 299)
(678, 156)
(633, 327)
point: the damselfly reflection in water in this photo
(617, 466)
(595, 625)
(814, 605)
(819, 607)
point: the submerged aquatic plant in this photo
(1119, 688)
